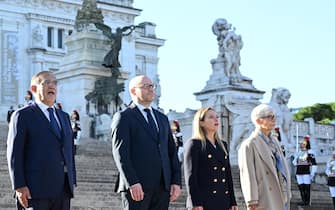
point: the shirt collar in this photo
(141, 107)
(43, 107)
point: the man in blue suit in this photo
(40, 150)
(144, 152)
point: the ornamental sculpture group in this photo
(106, 89)
(230, 45)
(228, 63)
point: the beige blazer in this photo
(259, 179)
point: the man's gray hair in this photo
(260, 111)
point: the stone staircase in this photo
(96, 175)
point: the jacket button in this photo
(226, 192)
(214, 191)
(223, 180)
(267, 173)
(215, 180)
(209, 156)
(223, 168)
(225, 157)
(215, 168)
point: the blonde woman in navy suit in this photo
(208, 176)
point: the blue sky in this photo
(287, 43)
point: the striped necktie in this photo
(53, 122)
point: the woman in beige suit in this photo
(265, 178)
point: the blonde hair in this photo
(198, 131)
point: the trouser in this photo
(61, 202)
(154, 199)
(305, 193)
(332, 194)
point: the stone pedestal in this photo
(78, 72)
(233, 105)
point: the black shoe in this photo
(302, 204)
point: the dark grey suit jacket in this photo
(140, 155)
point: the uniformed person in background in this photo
(208, 178)
(178, 139)
(305, 163)
(330, 171)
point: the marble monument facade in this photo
(33, 36)
(233, 96)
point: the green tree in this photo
(321, 113)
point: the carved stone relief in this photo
(10, 74)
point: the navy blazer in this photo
(208, 177)
(36, 156)
(140, 155)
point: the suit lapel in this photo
(139, 116)
(159, 123)
(42, 117)
(266, 157)
(62, 122)
(217, 152)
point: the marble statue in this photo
(230, 45)
(158, 91)
(284, 118)
(89, 13)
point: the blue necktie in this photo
(280, 166)
(53, 122)
(279, 163)
(151, 121)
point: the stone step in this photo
(96, 175)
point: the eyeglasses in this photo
(48, 82)
(269, 117)
(147, 86)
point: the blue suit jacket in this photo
(140, 155)
(36, 156)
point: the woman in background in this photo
(208, 178)
(75, 116)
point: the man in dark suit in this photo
(40, 150)
(144, 152)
